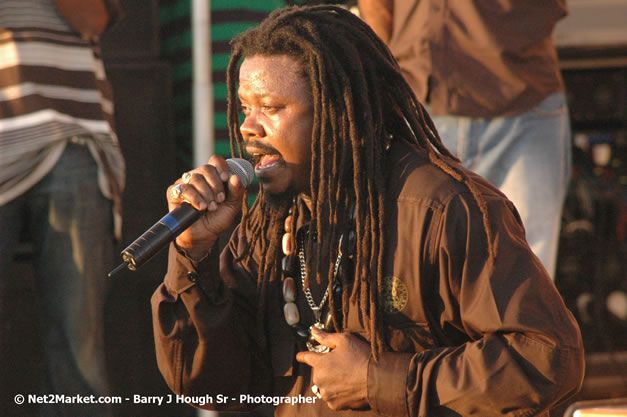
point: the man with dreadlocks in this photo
(373, 275)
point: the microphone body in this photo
(174, 223)
(160, 235)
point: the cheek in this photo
(296, 143)
(303, 131)
(300, 153)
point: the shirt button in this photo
(192, 276)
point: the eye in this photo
(244, 108)
(270, 109)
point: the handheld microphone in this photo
(173, 224)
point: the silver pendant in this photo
(312, 344)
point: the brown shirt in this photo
(477, 58)
(468, 336)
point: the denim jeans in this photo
(528, 157)
(70, 223)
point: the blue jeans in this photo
(70, 223)
(527, 157)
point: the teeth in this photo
(256, 157)
(268, 160)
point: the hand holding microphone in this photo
(203, 204)
(217, 190)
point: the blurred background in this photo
(160, 82)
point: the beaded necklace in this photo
(296, 252)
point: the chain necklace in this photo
(294, 251)
(317, 309)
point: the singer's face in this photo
(277, 106)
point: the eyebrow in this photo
(256, 95)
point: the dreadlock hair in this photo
(360, 100)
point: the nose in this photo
(251, 127)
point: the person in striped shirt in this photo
(61, 179)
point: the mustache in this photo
(261, 147)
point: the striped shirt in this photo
(53, 88)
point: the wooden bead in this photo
(289, 290)
(290, 311)
(288, 244)
(289, 265)
(301, 331)
(337, 289)
(344, 271)
(289, 224)
(352, 240)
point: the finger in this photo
(308, 358)
(325, 338)
(187, 193)
(215, 191)
(221, 166)
(210, 195)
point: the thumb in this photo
(325, 338)
(235, 190)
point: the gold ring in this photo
(316, 391)
(176, 191)
(187, 177)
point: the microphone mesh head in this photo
(243, 169)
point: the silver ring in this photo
(316, 391)
(187, 177)
(176, 191)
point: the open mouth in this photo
(265, 159)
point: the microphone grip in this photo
(160, 235)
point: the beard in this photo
(282, 201)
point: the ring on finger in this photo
(176, 191)
(316, 391)
(187, 177)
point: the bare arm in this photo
(88, 17)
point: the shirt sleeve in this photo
(520, 351)
(378, 14)
(205, 331)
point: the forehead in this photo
(271, 75)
